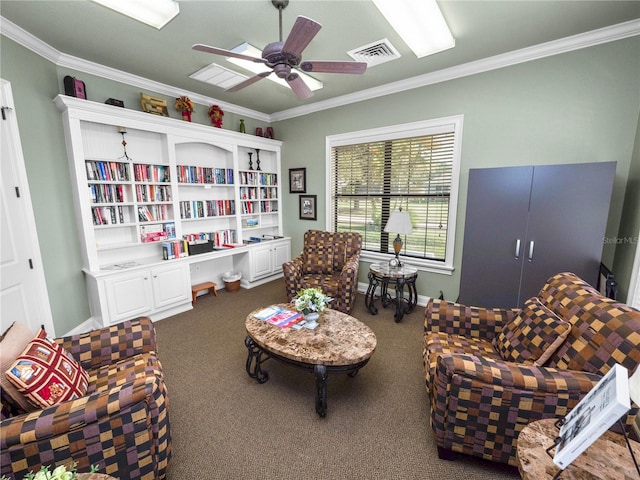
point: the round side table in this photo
(381, 274)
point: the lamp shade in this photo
(399, 222)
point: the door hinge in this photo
(4, 117)
(31, 264)
(18, 192)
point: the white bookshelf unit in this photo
(144, 185)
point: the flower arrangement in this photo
(184, 105)
(216, 114)
(311, 300)
(58, 473)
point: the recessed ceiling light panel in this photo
(156, 13)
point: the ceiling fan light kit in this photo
(284, 58)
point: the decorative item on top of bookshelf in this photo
(74, 87)
(268, 133)
(308, 207)
(114, 102)
(297, 180)
(185, 106)
(259, 132)
(250, 164)
(154, 105)
(242, 128)
(216, 114)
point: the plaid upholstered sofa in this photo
(490, 372)
(121, 424)
(329, 261)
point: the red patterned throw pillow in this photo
(47, 374)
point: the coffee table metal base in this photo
(257, 356)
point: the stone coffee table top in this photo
(339, 339)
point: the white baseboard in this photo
(84, 327)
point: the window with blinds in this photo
(372, 178)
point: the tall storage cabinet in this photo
(525, 224)
(144, 183)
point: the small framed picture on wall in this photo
(297, 180)
(308, 207)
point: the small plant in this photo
(58, 473)
(311, 300)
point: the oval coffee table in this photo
(339, 344)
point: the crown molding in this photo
(27, 40)
(556, 47)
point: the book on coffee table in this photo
(278, 316)
(605, 403)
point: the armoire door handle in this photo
(531, 251)
(517, 249)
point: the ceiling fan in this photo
(283, 57)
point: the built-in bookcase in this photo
(151, 179)
(259, 192)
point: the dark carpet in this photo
(227, 426)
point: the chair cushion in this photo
(533, 336)
(12, 343)
(47, 374)
(318, 258)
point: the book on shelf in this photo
(279, 316)
(605, 403)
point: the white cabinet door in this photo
(128, 295)
(170, 285)
(281, 254)
(261, 262)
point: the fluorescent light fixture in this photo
(156, 13)
(248, 49)
(420, 24)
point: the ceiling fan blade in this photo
(333, 67)
(227, 53)
(301, 34)
(300, 88)
(248, 81)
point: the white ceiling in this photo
(485, 33)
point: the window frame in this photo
(453, 124)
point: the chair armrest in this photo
(110, 344)
(73, 415)
(292, 272)
(350, 268)
(457, 319)
(508, 375)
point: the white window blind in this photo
(371, 179)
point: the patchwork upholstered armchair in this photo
(329, 261)
(121, 424)
(490, 372)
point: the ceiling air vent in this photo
(375, 53)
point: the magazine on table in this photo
(605, 403)
(279, 316)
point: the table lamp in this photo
(399, 222)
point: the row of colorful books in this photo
(279, 316)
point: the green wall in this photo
(571, 108)
(581, 106)
(626, 241)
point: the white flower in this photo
(311, 300)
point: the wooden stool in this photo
(200, 287)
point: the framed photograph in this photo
(308, 207)
(297, 180)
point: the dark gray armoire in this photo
(525, 224)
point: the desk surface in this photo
(608, 458)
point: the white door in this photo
(23, 291)
(171, 285)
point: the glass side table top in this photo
(385, 270)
